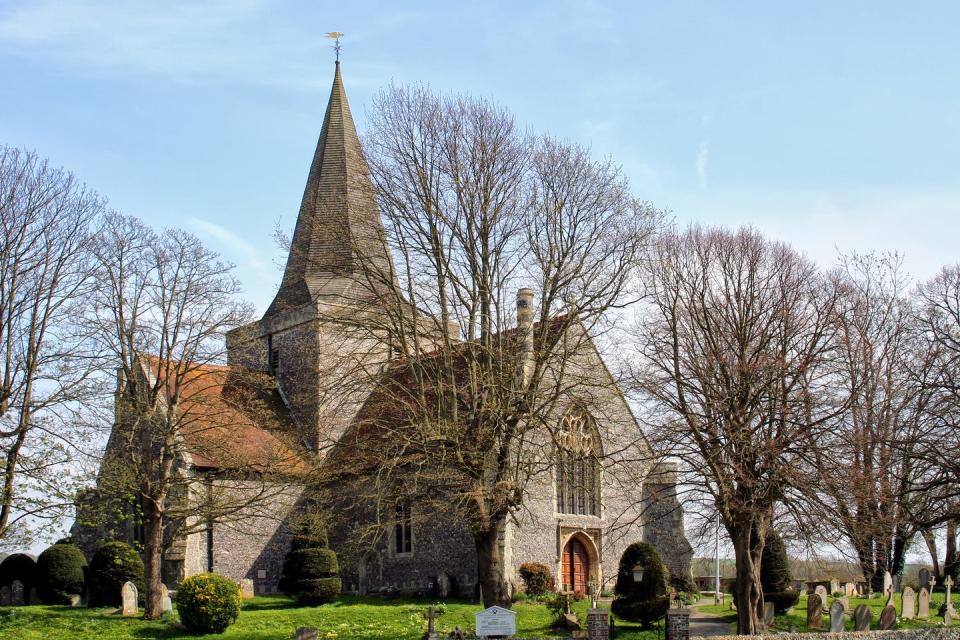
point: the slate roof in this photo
(338, 226)
(234, 419)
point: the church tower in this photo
(309, 339)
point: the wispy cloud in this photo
(241, 250)
(703, 157)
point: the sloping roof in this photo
(231, 418)
(338, 227)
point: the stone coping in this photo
(893, 634)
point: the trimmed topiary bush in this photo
(60, 574)
(18, 566)
(113, 564)
(644, 601)
(775, 577)
(208, 603)
(310, 570)
(536, 578)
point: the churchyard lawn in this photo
(798, 615)
(277, 617)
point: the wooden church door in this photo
(576, 567)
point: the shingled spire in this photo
(339, 234)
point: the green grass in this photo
(277, 617)
(798, 615)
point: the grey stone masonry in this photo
(896, 634)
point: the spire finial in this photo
(335, 36)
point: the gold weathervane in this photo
(335, 36)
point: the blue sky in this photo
(829, 125)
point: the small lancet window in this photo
(578, 466)
(403, 528)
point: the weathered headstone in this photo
(307, 633)
(924, 576)
(678, 623)
(814, 611)
(75, 600)
(836, 617)
(850, 589)
(845, 601)
(769, 612)
(947, 617)
(246, 588)
(496, 621)
(5, 596)
(887, 583)
(128, 599)
(598, 624)
(834, 586)
(923, 607)
(888, 618)
(861, 618)
(17, 596)
(908, 604)
(822, 592)
(166, 604)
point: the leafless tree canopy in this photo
(45, 360)
(731, 354)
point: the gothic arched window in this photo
(578, 466)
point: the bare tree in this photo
(866, 463)
(464, 408)
(731, 351)
(45, 363)
(160, 313)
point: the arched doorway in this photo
(575, 565)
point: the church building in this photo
(599, 495)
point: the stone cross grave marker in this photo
(822, 592)
(887, 583)
(888, 618)
(923, 608)
(924, 576)
(949, 583)
(932, 583)
(814, 611)
(128, 599)
(17, 596)
(947, 618)
(861, 618)
(496, 622)
(5, 596)
(836, 616)
(908, 604)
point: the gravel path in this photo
(705, 624)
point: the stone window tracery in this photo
(403, 528)
(578, 465)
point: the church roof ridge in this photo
(338, 227)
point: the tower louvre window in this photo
(273, 355)
(578, 466)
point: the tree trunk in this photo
(152, 561)
(748, 594)
(493, 586)
(951, 561)
(931, 541)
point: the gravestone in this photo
(75, 600)
(822, 592)
(834, 586)
(768, 614)
(923, 608)
(678, 623)
(5, 596)
(948, 583)
(908, 604)
(128, 599)
(496, 622)
(246, 588)
(814, 611)
(307, 633)
(889, 602)
(836, 617)
(888, 618)
(947, 617)
(861, 618)
(17, 596)
(165, 603)
(598, 624)
(887, 583)
(850, 589)
(845, 601)
(924, 576)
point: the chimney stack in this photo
(525, 331)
